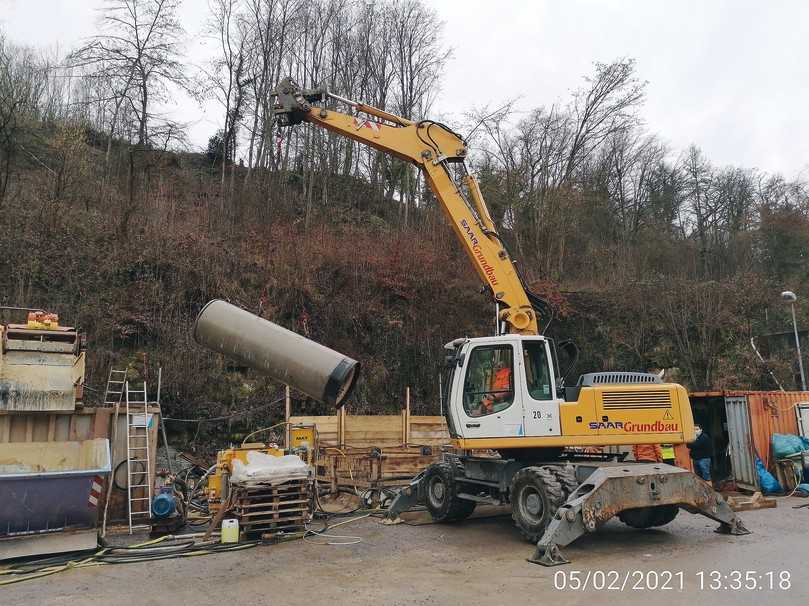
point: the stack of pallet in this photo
(268, 511)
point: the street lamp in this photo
(790, 297)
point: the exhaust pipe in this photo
(319, 372)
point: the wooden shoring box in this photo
(372, 452)
(268, 510)
(370, 468)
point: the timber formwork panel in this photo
(372, 468)
(269, 510)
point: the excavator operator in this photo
(501, 388)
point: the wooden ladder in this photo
(139, 483)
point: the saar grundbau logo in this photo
(629, 426)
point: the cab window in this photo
(489, 382)
(537, 370)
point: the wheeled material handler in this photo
(505, 393)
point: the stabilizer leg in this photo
(408, 497)
(610, 490)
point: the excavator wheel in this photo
(567, 478)
(536, 494)
(648, 517)
(440, 490)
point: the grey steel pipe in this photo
(319, 372)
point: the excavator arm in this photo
(432, 147)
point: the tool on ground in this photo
(160, 416)
(507, 392)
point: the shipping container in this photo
(741, 425)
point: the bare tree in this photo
(607, 106)
(228, 78)
(21, 80)
(138, 57)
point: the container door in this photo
(740, 443)
(803, 419)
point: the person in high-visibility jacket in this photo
(667, 452)
(501, 389)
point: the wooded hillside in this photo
(653, 258)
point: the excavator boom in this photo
(432, 147)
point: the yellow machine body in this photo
(303, 442)
(611, 415)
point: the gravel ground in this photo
(481, 561)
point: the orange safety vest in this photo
(500, 381)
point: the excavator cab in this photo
(503, 393)
(502, 387)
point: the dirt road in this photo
(481, 561)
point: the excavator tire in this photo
(440, 490)
(535, 496)
(648, 517)
(567, 478)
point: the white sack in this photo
(266, 468)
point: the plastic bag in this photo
(768, 483)
(266, 468)
(784, 445)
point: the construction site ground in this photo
(480, 561)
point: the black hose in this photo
(115, 475)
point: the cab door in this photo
(540, 404)
(489, 406)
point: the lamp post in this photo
(790, 297)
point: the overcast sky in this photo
(731, 77)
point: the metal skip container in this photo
(49, 495)
(313, 369)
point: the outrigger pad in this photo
(612, 489)
(548, 555)
(735, 528)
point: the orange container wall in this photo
(771, 412)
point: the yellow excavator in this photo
(505, 393)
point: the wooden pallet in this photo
(745, 503)
(264, 509)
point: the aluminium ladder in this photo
(114, 393)
(139, 495)
(113, 396)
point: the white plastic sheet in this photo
(266, 468)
